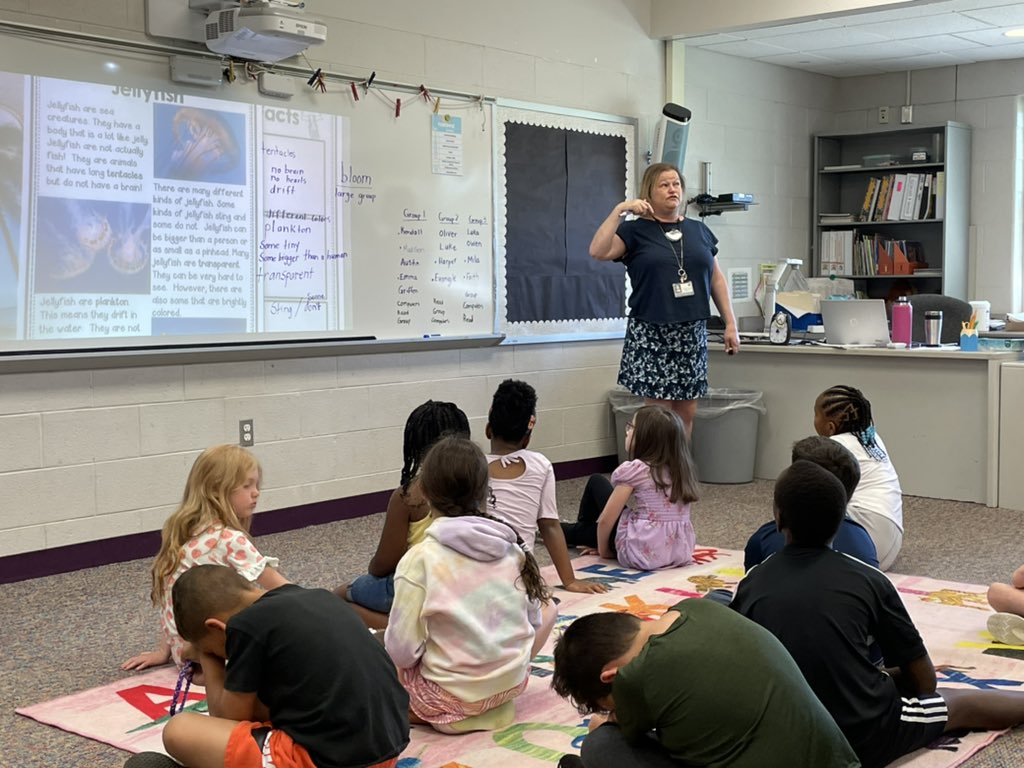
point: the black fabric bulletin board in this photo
(561, 177)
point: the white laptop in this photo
(856, 322)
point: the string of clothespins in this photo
(362, 88)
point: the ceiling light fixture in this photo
(1014, 32)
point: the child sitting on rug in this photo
(698, 686)
(466, 618)
(851, 538)
(656, 532)
(827, 608)
(408, 514)
(844, 414)
(1007, 626)
(210, 526)
(306, 684)
(523, 481)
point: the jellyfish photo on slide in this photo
(193, 144)
(11, 158)
(92, 246)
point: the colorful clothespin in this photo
(398, 107)
(369, 81)
(424, 93)
(437, 104)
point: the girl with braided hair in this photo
(844, 414)
(468, 610)
(407, 516)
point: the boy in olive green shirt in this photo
(699, 686)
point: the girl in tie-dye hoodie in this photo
(467, 615)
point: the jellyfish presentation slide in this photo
(194, 144)
(92, 246)
(12, 154)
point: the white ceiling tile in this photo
(944, 43)
(711, 39)
(844, 70)
(750, 49)
(942, 24)
(1004, 16)
(994, 37)
(826, 38)
(889, 49)
(797, 59)
(971, 5)
(924, 61)
(788, 29)
(1015, 51)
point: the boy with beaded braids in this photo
(844, 414)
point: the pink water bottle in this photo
(902, 321)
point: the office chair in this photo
(954, 312)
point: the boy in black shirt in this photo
(827, 607)
(306, 687)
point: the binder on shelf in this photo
(940, 195)
(922, 199)
(898, 193)
(909, 198)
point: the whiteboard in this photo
(141, 212)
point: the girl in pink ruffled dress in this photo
(655, 532)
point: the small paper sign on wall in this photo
(446, 145)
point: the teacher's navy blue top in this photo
(652, 262)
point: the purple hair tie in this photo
(184, 676)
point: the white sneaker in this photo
(1007, 628)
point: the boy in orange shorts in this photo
(307, 686)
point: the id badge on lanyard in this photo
(682, 289)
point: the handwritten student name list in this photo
(442, 277)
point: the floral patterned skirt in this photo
(665, 362)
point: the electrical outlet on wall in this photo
(246, 437)
(883, 115)
(907, 114)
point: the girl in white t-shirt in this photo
(844, 414)
(210, 527)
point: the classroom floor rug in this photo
(130, 713)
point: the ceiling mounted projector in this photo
(262, 32)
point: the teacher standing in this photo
(674, 272)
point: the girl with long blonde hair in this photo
(210, 526)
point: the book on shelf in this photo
(870, 195)
(883, 199)
(876, 255)
(836, 252)
(940, 195)
(835, 218)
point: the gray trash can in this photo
(724, 439)
(624, 404)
